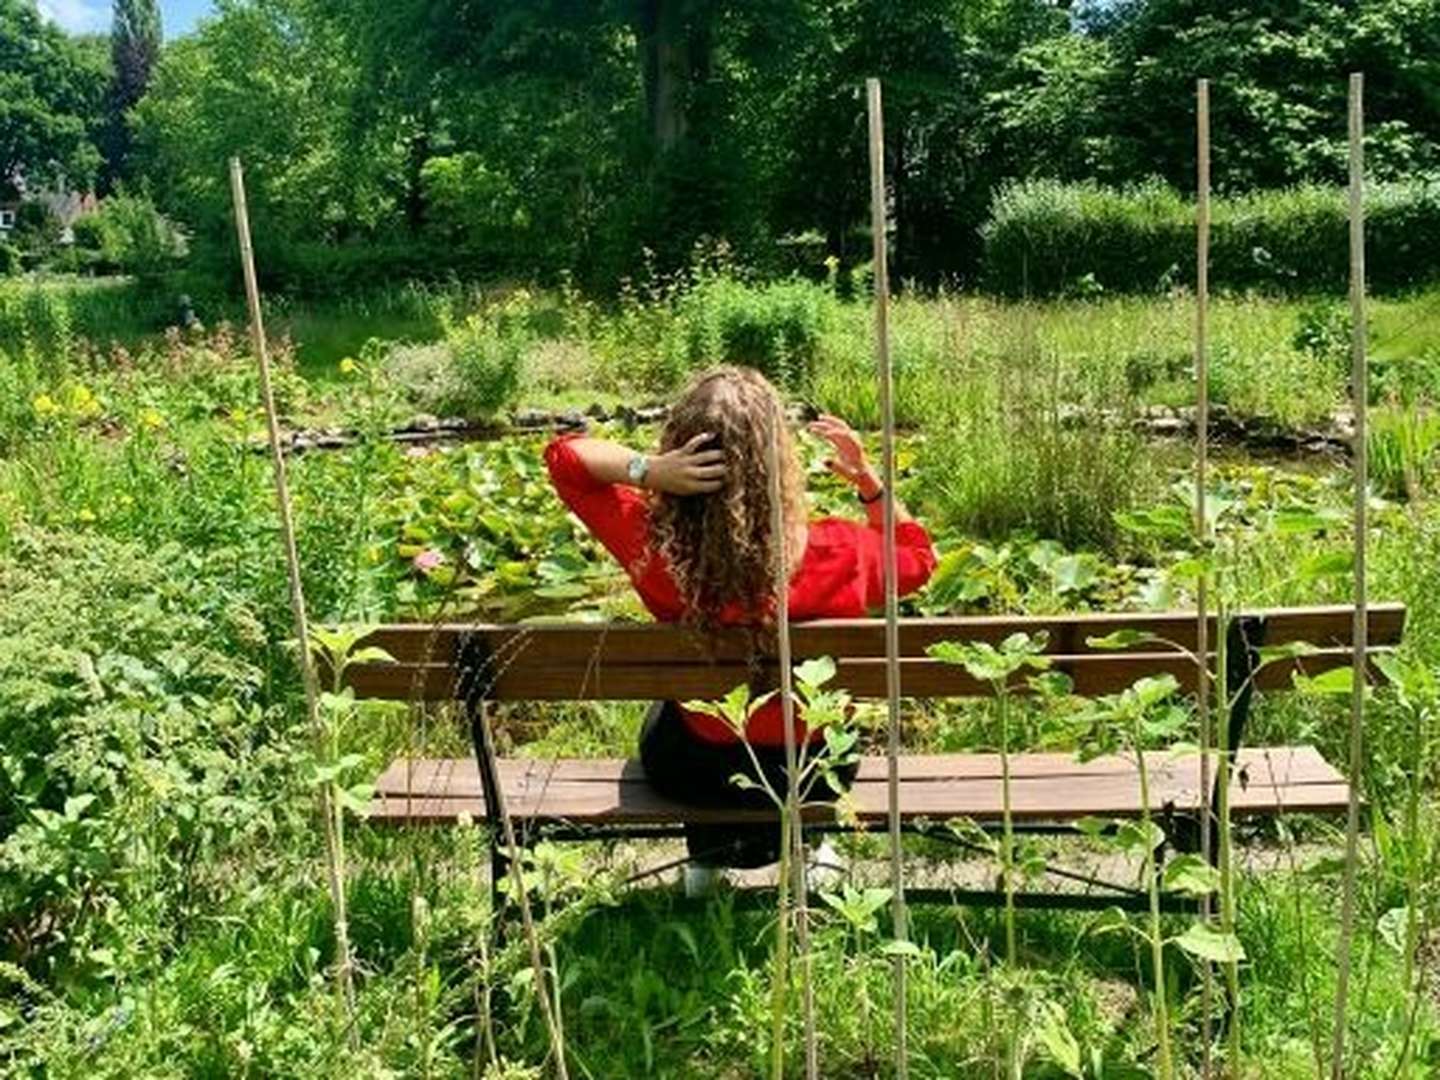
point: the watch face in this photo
(637, 468)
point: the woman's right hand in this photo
(688, 469)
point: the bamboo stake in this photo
(527, 919)
(1360, 633)
(1202, 525)
(334, 851)
(892, 599)
(799, 906)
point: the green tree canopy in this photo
(50, 94)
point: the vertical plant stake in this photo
(334, 852)
(1360, 634)
(1202, 524)
(792, 853)
(892, 597)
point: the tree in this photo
(1279, 69)
(49, 100)
(271, 82)
(136, 38)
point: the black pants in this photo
(692, 770)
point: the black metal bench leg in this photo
(1242, 645)
(476, 670)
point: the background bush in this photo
(1047, 238)
(129, 235)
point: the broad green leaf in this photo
(1190, 875)
(371, 654)
(1340, 680)
(815, 672)
(1391, 927)
(1153, 689)
(1051, 684)
(1075, 573)
(1166, 522)
(1060, 1045)
(1093, 827)
(1304, 520)
(563, 590)
(1209, 944)
(1121, 639)
(1269, 654)
(1133, 837)
(1325, 564)
(1110, 921)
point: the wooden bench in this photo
(599, 798)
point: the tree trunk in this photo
(670, 65)
(419, 153)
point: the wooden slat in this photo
(460, 777)
(1092, 673)
(594, 804)
(1271, 780)
(604, 644)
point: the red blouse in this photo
(840, 576)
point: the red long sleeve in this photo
(842, 574)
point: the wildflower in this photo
(82, 404)
(417, 452)
(428, 560)
(151, 420)
(45, 406)
(86, 516)
(348, 366)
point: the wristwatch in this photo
(637, 469)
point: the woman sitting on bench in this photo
(691, 525)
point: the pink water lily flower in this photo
(428, 560)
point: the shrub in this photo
(128, 234)
(1047, 238)
(130, 751)
(37, 230)
(486, 360)
(776, 328)
(9, 260)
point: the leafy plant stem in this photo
(1157, 941)
(779, 991)
(1222, 810)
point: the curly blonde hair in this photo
(720, 547)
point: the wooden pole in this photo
(1360, 378)
(780, 534)
(892, 594)
(1202, 525)
(333, 841)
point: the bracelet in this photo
(879, 494)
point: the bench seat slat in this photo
(1275, 779)
(460, 777)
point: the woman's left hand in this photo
(849, 461)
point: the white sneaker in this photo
(827, 867)
(701, 881)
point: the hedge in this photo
(1046, 238)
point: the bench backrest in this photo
(577, 661)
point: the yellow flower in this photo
(151, 419)
(85, 516)
(348, 366)
(45, 406)
(82, 403)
